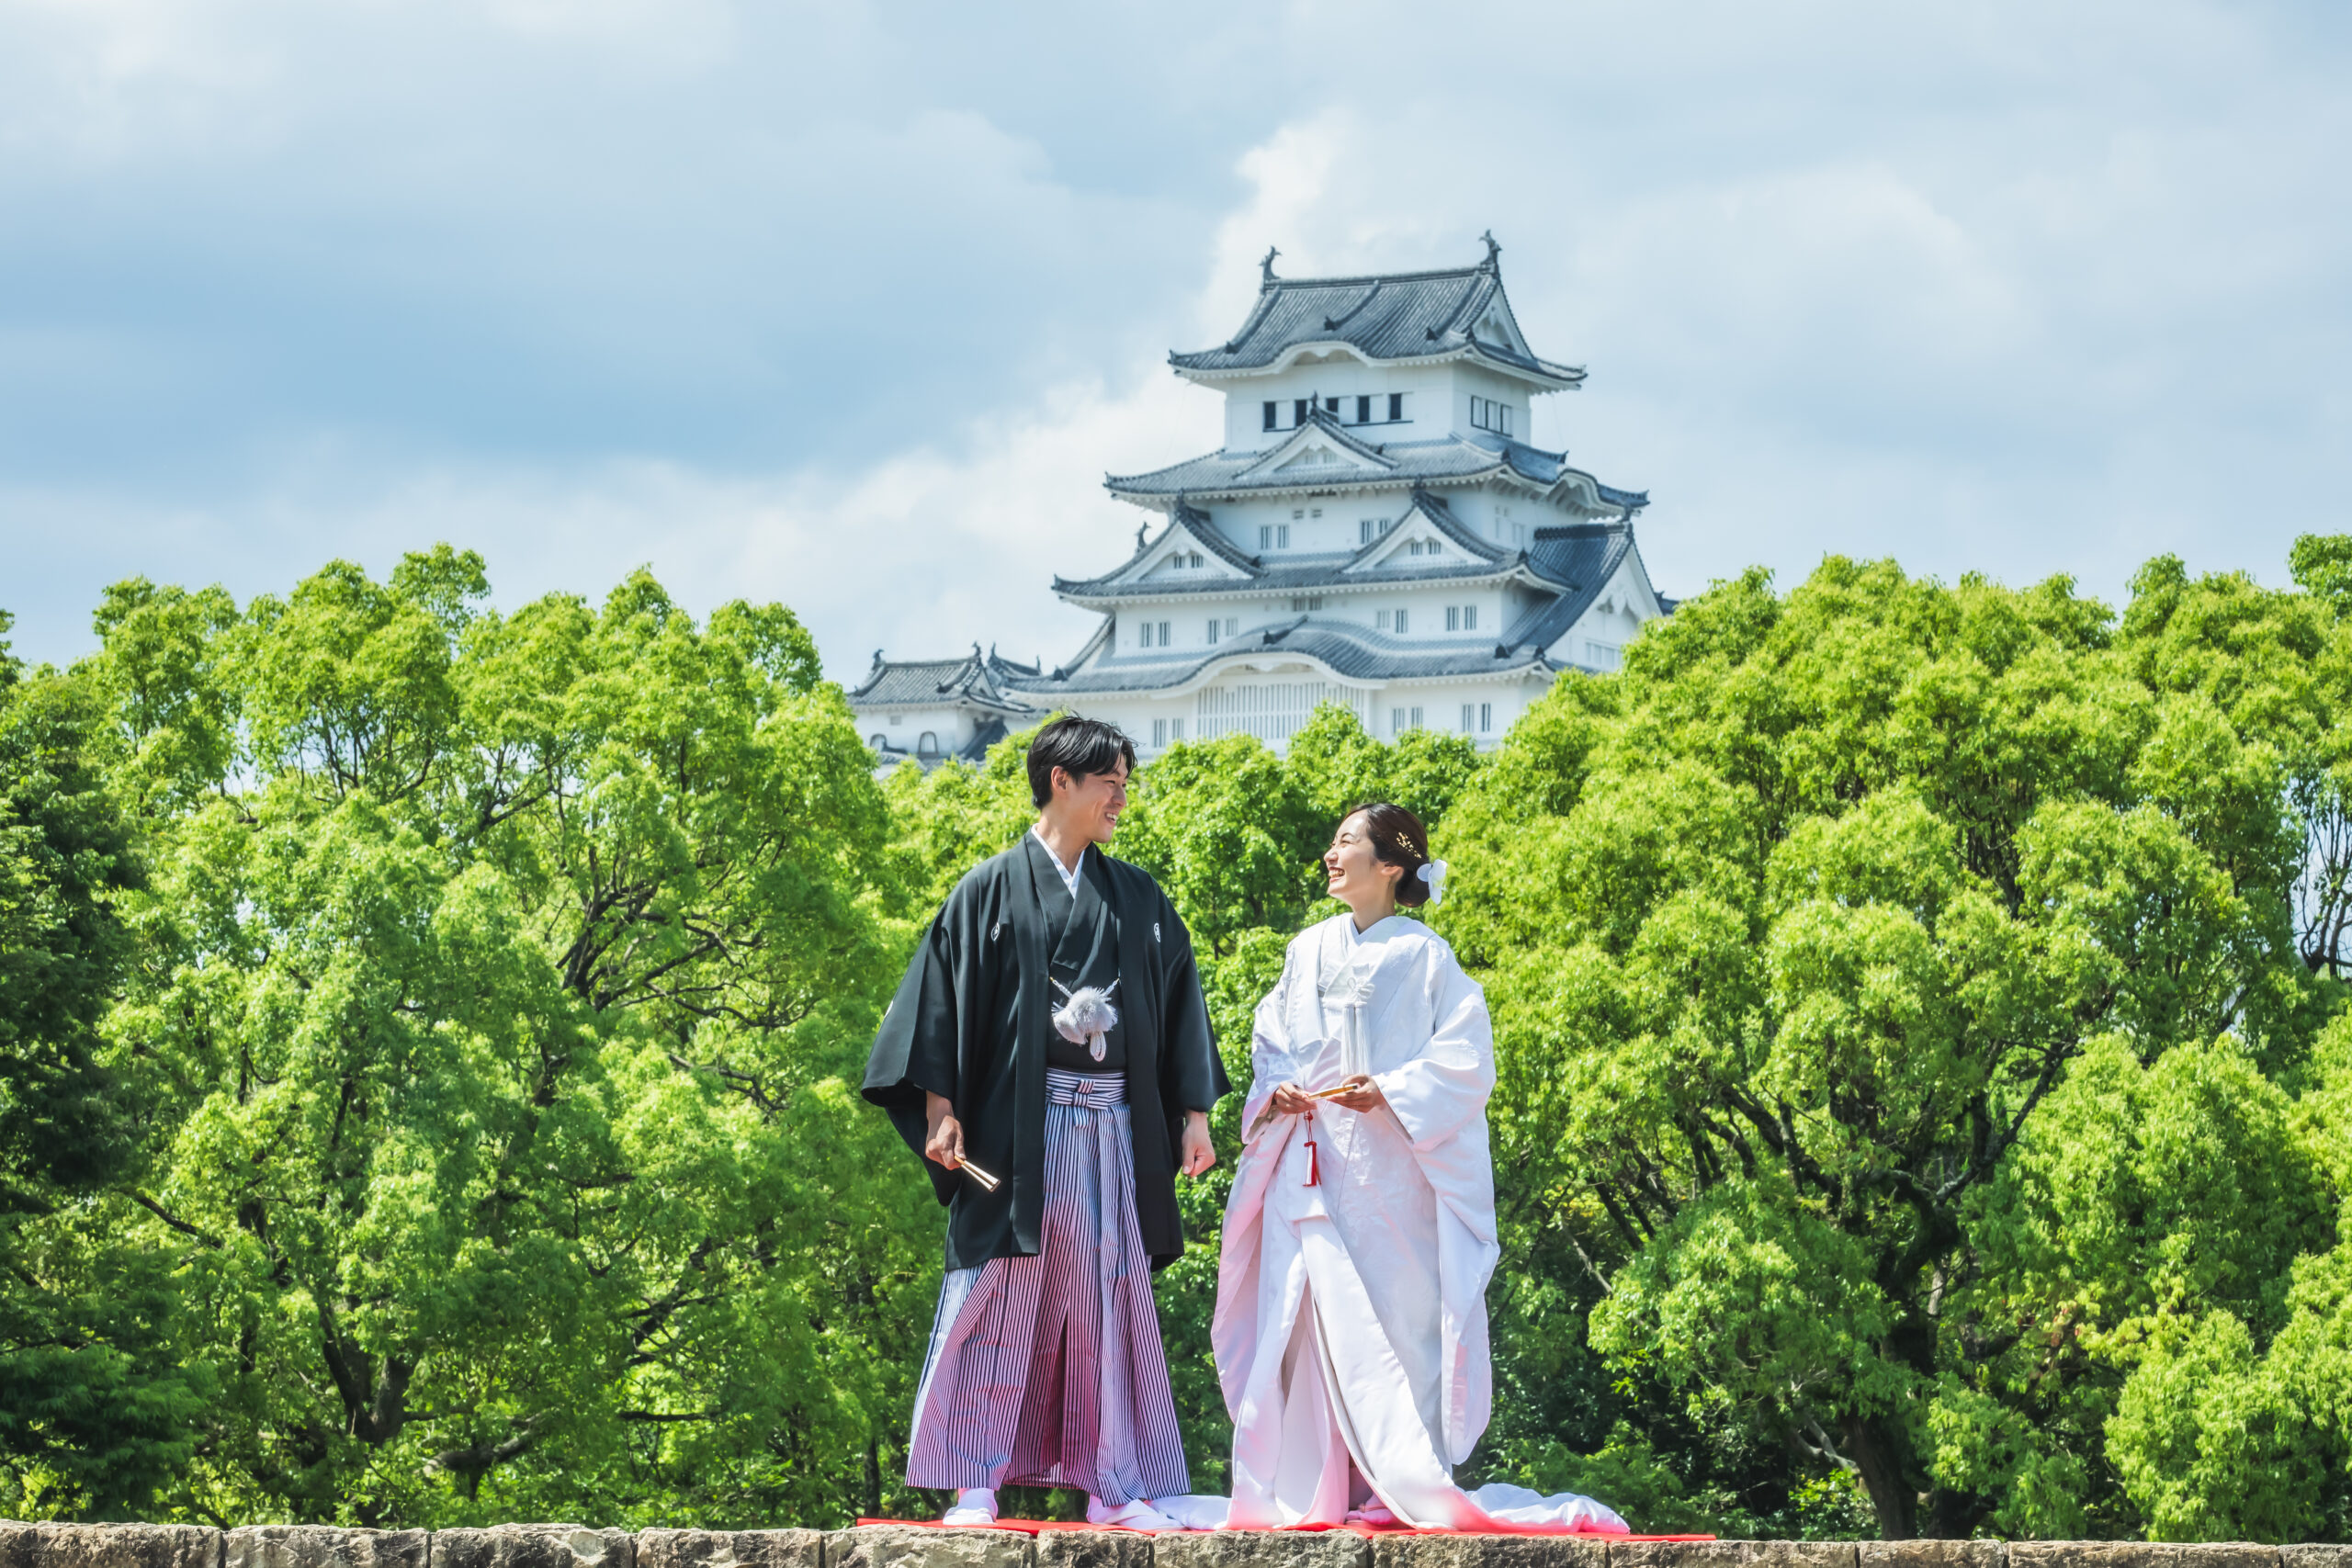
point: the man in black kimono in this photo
(1048, 1053)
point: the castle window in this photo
(1282, 535)
(1163, 634)
(1315, 512)
(1454, 618)
(1300, 603)
(1600, 655)
(1396, 408)
(1175, 729)
(1158, 733)
(1142, 634)
(1485, 719)
(1212, 629)
(1297, 511)
(1400, 632)
(1330, 405)
(897, 718)
(1363, 411)
(1380, 619)
(879, 741)
(927, 745)
(1273, 416)
(1265, 536)
(1469, 712)
(1396, 721)
(1469, 617)
(1487, 414)
(1233, 626)
(1298, 411)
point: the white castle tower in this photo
(1376, 531)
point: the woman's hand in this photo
(943, 1145)
(1357, 1092)
(1291, 1100)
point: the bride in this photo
(1350, 1327)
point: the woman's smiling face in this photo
(1353, 873)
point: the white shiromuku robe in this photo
(1350, 1327)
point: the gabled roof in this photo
(1460, 313)
(1184, 523)
(1456, 458)
(1582, 557)
(1441, 518)
(975, 680)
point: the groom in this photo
(1048, 1053)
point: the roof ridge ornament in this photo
(1494, 252)
(1266, 268)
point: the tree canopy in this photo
(428, 1041)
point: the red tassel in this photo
(1314, 1176)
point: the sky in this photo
(853, 306)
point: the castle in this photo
(1376, 531)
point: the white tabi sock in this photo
(974, 1505)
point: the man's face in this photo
(1091, 802)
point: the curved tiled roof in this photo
(1453, 458)
(926, 683)
(1404, 315)
(1346, 649)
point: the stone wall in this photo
(882, 1546)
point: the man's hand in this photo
(944, 1143)
(1359, 1093)
(1198, 1153)
(1291, 1100)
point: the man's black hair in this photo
(1080, 747)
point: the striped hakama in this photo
(1048, 1370)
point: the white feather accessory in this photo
(1086, 1017)
(1433, 873)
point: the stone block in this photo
(533, 1546)
(1096, 1549)
(1731, 1555)
(1261, 1549)
(1488, 1552)
(902, 1546)
(322, 1546)
(124, 1546)
(2317, 1555)
(2141, 1554)
(1935, 1554)
(728, 1549)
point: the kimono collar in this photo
(1070, 876)
(1346, 958)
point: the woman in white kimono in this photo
(1350, 1326)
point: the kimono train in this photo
(1350, 1326)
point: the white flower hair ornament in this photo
(1433, 873)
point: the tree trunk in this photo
(1877, 1456)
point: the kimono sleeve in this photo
(1195, 1076)
(1271, 1063)
(1444, 1088)
(915, 1050)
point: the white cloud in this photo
(853, 307)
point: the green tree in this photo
(1795, 933)
(94, 1412)
(505, 980)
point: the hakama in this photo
(1048, 1369)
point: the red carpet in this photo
(1035, 1527)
